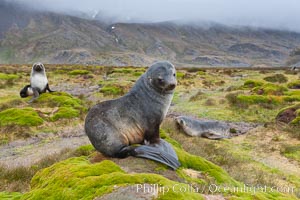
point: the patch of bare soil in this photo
(287, 116)
(27, 152)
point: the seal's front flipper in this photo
(36, 94)
(161, 152)
(213, 136)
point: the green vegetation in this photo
(252, 83)
(279, 78)
(238, 99)
(65, 113)
(180, 75)
(79, 72)
(112, 89)
(60, 99)
(134, 71)
(292, 152)
(294, 84)
(270, 89)
(77, 178)
(20, 116)
(85, 150)
(10, 195)
(8, 76)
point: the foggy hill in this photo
(28, 35)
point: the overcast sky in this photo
(283, 14)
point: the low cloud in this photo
(268, 13)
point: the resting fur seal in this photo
(113, 126)
(38, 81)
(210, 129)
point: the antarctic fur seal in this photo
(38, 82)
(212, 129)
(114, 127)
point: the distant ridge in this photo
(27, 36)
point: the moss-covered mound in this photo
(279, 78)
(238, 99)
(270, 89)
(20, 116)
(180, 75)
(68, 106)
(77, 178)
(294, 85)
(133, 71)
(7, 77)
(10, 195)
(290, 115)
(292, 152)
(60, 99)
(79, 72)
(112, 89)
(252, 83)
(66, 113)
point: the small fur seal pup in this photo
(115, 127)
(38, 82)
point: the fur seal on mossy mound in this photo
(114, 127)
(38, 82)
(212, 129)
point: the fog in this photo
(279, 14)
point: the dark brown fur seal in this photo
(113, 126)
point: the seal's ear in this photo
(182, 122)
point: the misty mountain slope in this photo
(27, 36)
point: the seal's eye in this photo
(174, 74)
(160, 80)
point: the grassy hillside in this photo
(37, 162)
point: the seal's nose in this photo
(171, 86)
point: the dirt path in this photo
(29, 151)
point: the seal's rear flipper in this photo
(214, 136)
(48, 88)
(161, 152)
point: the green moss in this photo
(66, 113)
(8, 76)
(292, 152)
(292, 93)
(84, 150)
(200, 164)
(294, 84)
(270, 89)
(137, 73)
(77, 178)
(180, 75)
(201, 73)
(112, 89)
(280, 78)
(133, 71)
(291, 98)
(60, 99)
(252, 83)
(20, 116)
(257, 99)
(10, 195)
(79, 72)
